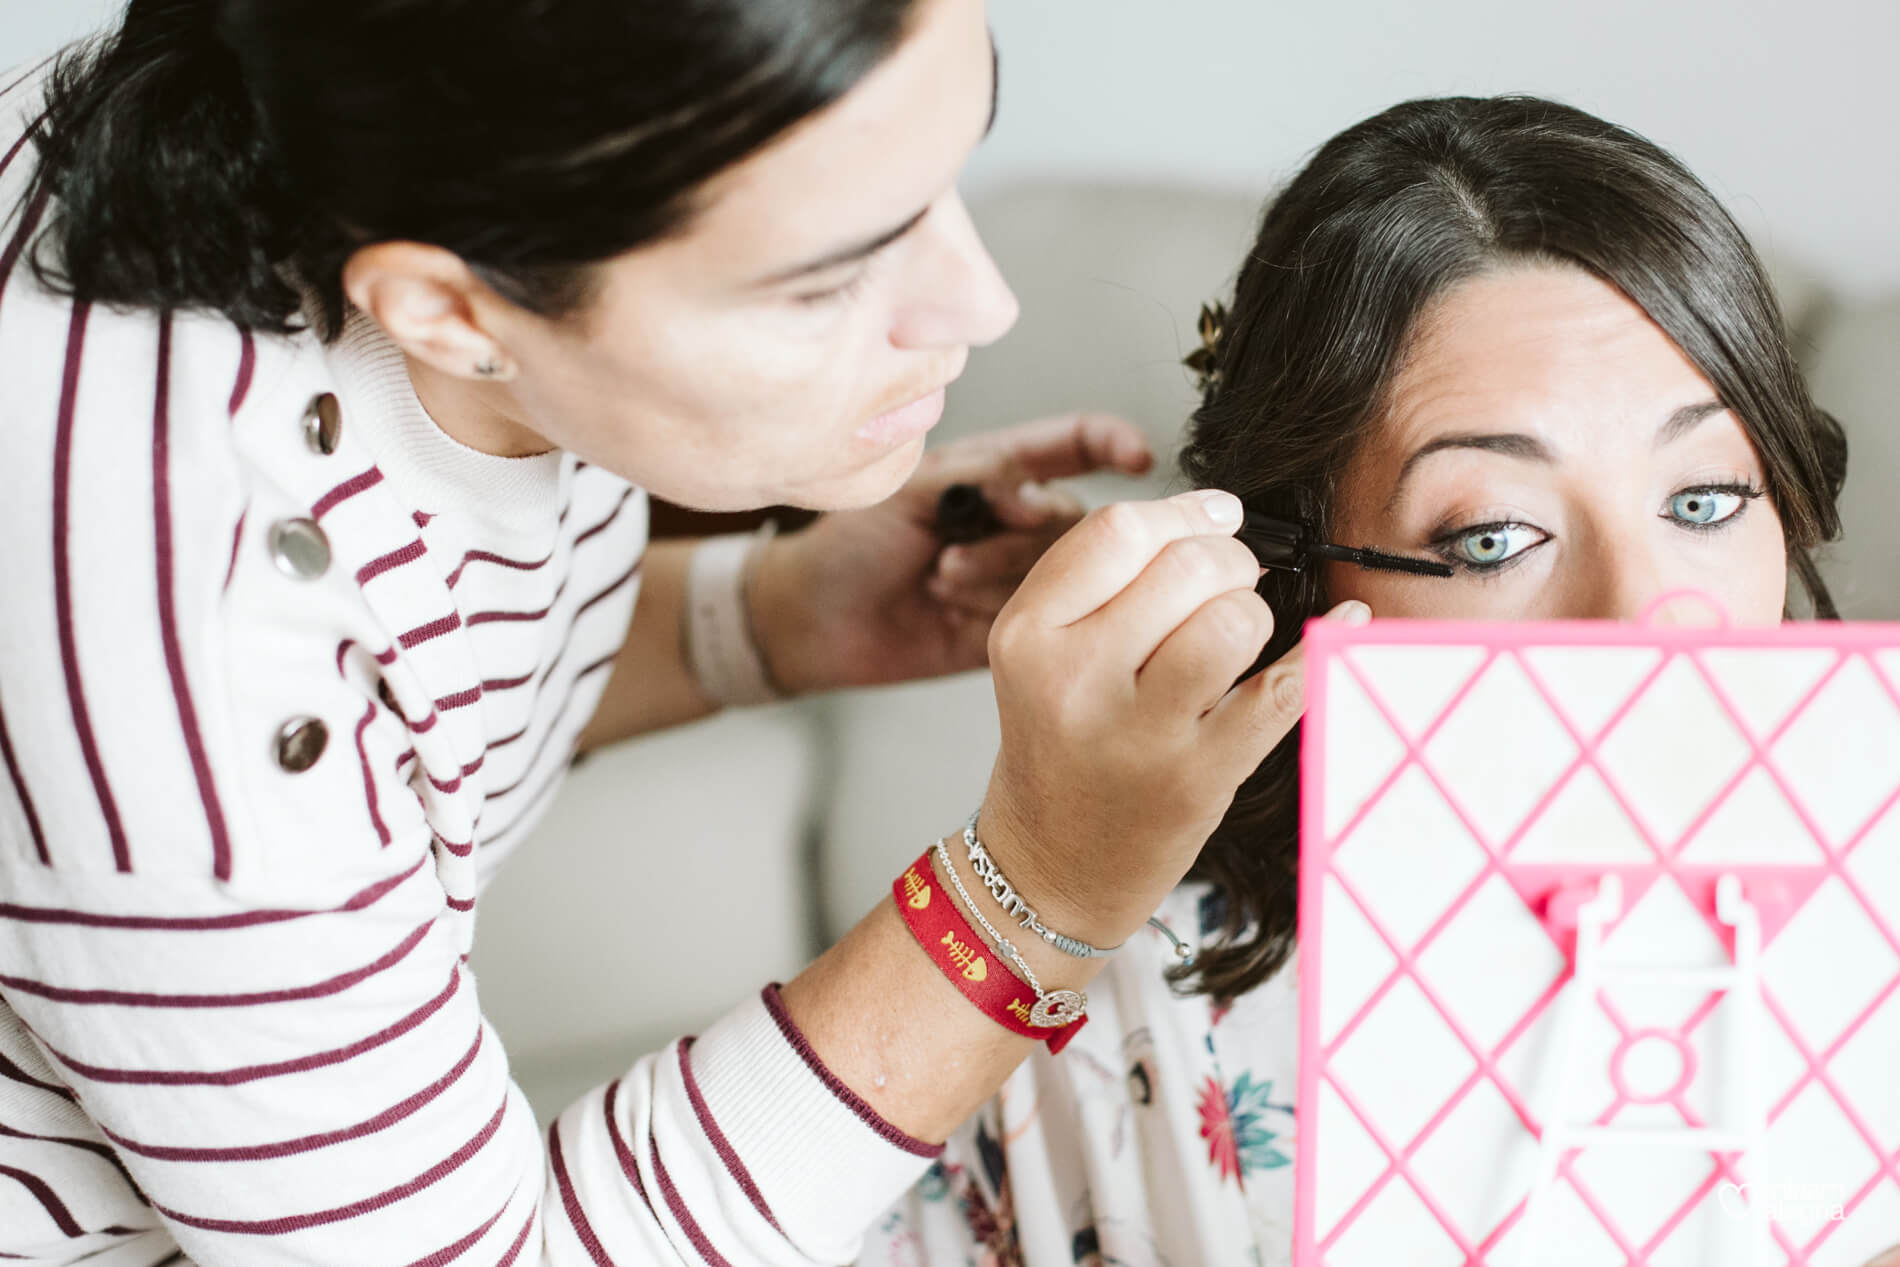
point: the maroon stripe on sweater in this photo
(483, 556)
(628, 1166)
(681, 1214)
(464, 905)
(35, 209)
(721, 1145)
(257, 1073)
(203, 923)
(576, 1216)
(63, 588)
(48, 1199)
(455, 783)
(13, 151)
(394, 559)
(19, 791)
(384, 658)
(625, 496)
(431, 631)
(455, 1249)
(507, 683)
(846, 1096)
(368, 1205)
(483, 618)
(344, 491)
(521, 1238)
(12, 1071)
(308, 1143)
(138, 998)
(237, 540)
(461, 699)
(554, 718)
(11, 256)
(8, 90)
(505, 740)
(247, 368)
(421, 518)
(458, 849)
(168, 612)
(554, 780)
(86, 1145)
(369, 777)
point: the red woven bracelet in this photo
(960, 954)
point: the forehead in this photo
(877, 156)
(1543, 349)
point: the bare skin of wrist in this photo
(1100, 919)
(887, 1022)
(780, 616)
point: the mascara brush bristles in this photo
(1380, 561)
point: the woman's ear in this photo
(429, 302)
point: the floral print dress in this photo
(1161, 1137)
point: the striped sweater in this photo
(277, 696)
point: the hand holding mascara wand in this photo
(965, 515)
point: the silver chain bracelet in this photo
(1054, 1008)
(1012, 903)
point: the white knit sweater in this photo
(253, 784)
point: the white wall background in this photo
(1788, 108)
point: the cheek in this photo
(1393, 597)
(1755, 588)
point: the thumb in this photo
(1257, 714)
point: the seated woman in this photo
(1501, 333)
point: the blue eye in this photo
(1703, 507)
(1491, 545)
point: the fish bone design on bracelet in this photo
(1053, 1008)
(1012, 902)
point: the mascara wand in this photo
(965, 515)
(1284, 545)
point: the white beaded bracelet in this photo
(722, 650)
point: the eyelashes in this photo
(844, 292)
(1488, 548)
(839, 294)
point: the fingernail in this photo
(953, 562)
(1221, 507)
(1351, 612)
(1033, 495)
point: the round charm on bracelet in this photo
(1056, 1008)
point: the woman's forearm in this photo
(889, 1025)
(651, 687)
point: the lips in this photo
(902, 425)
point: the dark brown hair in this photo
(223, 154)
(1387, 217)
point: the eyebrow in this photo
(1530, 449)
(857, 251)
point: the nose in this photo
(1620, 577)
(957, 297)
(1630, 575)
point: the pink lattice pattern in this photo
(1781, 750)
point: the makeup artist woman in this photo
(338, 341)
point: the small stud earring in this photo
(489, 368)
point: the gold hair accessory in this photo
(1204, 360)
